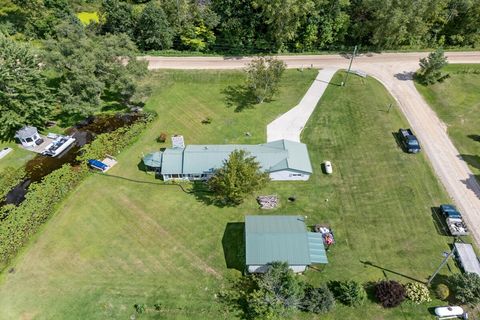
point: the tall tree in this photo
(90, 68)
(153, 31)
(240, 175)
(24, 96)
(118, 17)
(263, 77)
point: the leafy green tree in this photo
(279, 290)
(350, 293)
(118, 17)
(153, 31)
(240, 175)
(466, 287)
(263, 77)
(89, 69)
(24, 96)
(431, 68)
(318, 300)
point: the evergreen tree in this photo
(431, 68)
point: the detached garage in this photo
(281, 238)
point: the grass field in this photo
(457, 103)
(16, 158)
(117, 242)
(87, 17)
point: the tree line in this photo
(246, 26)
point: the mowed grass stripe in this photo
(115, 243)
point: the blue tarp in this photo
(97, 164)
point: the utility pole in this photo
(430, 279)
(350, 66)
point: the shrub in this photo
(207, 120)
(350, 293)
(162, 137)
(417, 292)
(466, 287)
(140, 308)
(318, 300)
(442, 292)
(389, 293)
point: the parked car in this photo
(328, 167)
(454, 220)
(409, 141)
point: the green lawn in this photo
(457, 103)
(117, 242)
(16, 158)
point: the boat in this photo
(58, 145)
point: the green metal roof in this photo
(272, 156)
(281, 238)
(172, 161)
(153, 160)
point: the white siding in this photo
(289, 175)
(263, 269)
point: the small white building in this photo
(282, 159)
(29, 137)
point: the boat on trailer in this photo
(58, 145)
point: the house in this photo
(282, 159)
(29, 137)
(281, 238)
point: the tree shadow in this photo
(472, 160)
(385, 270)
(114, 106)
(239, 97)
(203, 194)
(474, 137)
(233, 243)
(472, 183)
(439, 222)
(405, 75)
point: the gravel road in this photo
(395, 71)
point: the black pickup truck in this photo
(409, 141)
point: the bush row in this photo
(9, 178)
(43, 197)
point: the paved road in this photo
(290, 124)
(394, 70)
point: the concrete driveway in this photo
(290, 124)
(395, 71)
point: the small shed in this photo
(28, 137)
(281, 238)
(153, 161)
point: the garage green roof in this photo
(273, 156)
(282, 238)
